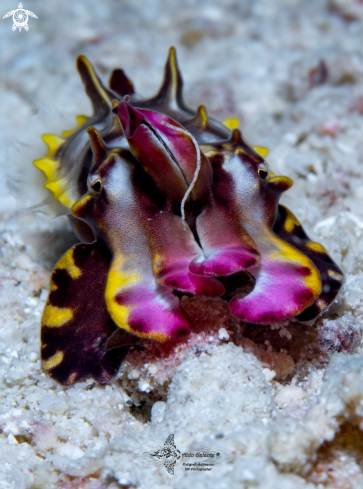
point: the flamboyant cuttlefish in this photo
(165, 200)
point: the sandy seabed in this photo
(285, 402)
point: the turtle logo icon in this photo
(169, 454)
(20, 17)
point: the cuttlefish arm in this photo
(134, 300)
(169, 239)
(173, 247)
(288, 228)
(76, 324)
(286, 280)
(172, 157)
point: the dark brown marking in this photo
(83, 339)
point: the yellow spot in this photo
(54, 316)
(211, 153)
(160, 337)
(261, 150)
(79, 206)
(81, 119)
(48, 167)
(71, 379)
(53, 142)
(67, 263)
(290, 221)
(281, 182)
(231, 123)
(240, 151)
(173, 67)
(53, 361)
(335, 275)
(52, 286)
(316, 247)
(202, 117)
(116, 282)
(287, 253)
(321, 304)
(157, 263)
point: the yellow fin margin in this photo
(231, 123)
(53, 142)
(261, 150)
(81, 119)
(58, 189)
(49, 167)
(49, 164)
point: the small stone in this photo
(12, 440)
(222, 334)
(158, 412)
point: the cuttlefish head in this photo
(115, 209)
(109, 174)
(238, 167)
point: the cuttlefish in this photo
(165, 201)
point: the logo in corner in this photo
(20, 17)
(169, 454)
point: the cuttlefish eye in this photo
(263, 171)
(95, 187)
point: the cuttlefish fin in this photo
(290, 230)
(50, 165)
(140, 306)
(76, 324)
(287, 282)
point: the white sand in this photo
(286, 423)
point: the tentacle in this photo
(76, 323)
(289, 229)
(140, 306)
